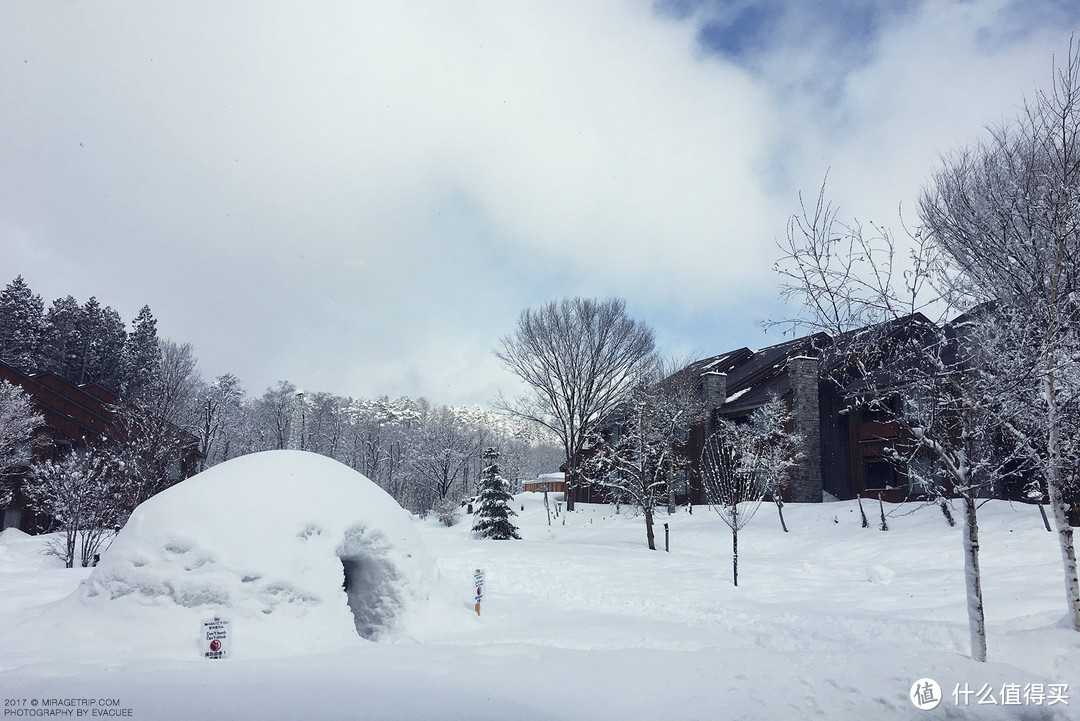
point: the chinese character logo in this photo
(925, 694)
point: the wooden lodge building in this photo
(846, 438)
(72, 417)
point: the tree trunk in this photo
(780, 510)
(735, 556)
(571, 485)
(1057, 504)
(976, 620)
(649, 530)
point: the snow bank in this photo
(297, 550)
(19, 551)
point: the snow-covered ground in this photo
(581, 621)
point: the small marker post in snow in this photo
(1046, 521)
(478, 581)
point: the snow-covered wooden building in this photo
(72, 417)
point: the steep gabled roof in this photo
(764, 373)
(876, 357)
(754, 376)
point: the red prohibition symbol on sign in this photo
(215, 645)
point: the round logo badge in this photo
(925, 694)
(215, 645)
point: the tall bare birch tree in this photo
(931, 379)
(1006, 214)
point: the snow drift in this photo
(296, 549)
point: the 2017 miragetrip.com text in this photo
(54, 707)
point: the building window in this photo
(879, 475)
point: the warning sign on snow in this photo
(214, 640)
(478, 582)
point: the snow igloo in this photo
(291, 546)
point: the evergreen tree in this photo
(60, 338)
(142, 356)
(100, 353)
(21, 322)
(492, 519)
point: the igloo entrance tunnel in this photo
(281, 540)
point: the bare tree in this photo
(440, 460)
(17, 420)
(579, 357)
(923, 376)
(80, 493)
(1006, 214)
(274, 415)
(641, 452)
(220, 409)
(158, 433)
(735, 478)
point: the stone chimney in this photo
(714, 389)
(806, 416)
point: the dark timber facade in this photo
(72, 417)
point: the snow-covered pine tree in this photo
(21, 324)
(142, 357)
(60, 338)
(99, 356)
(492, 517)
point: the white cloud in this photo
(361, 198)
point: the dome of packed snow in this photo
(286, 544)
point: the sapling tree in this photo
(493, 513)
(735, 478)
(639, 457)
(781, 448)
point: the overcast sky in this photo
(361, 197)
